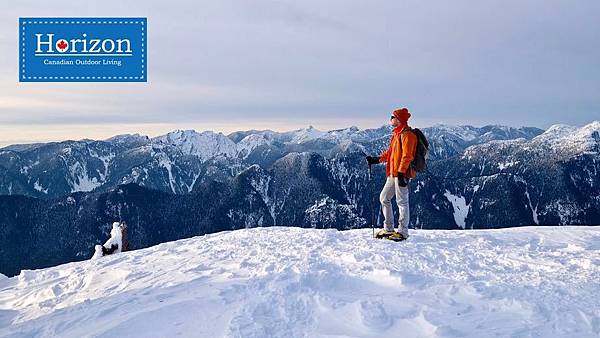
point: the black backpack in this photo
(419, 162)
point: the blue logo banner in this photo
(83, 50)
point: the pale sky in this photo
(229, 65)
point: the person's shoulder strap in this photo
(407, 129)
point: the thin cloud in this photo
(334, 63)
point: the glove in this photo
(402, 180)
(372, 160)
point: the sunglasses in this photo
(393, 117)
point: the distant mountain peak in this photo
(205, 145)
(306, 134)
(572, 139)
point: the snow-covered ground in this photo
(290, 282)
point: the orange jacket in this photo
(400, 153)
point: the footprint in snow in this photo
(373, 315)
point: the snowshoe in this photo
(391, 235)
(383, 234)
(397, 237)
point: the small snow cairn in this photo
(116, 243)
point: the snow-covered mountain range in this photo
(291, 282)
(188, 183)
(175, 162)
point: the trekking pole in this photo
(371, 198)
(371, 202)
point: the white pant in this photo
(390, 188)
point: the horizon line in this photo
(165, 130)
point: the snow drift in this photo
(291, 282)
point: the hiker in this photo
(398, 171)
(116, 243)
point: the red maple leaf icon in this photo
(62, 44)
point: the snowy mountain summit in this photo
(292, 282)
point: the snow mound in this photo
(290, 282)
(116, 239)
